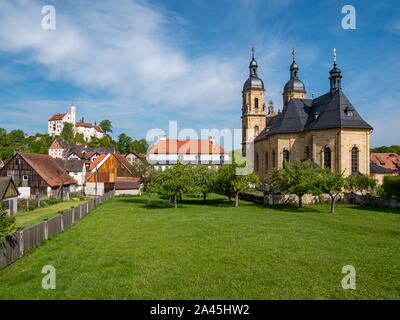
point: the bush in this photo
(391, 187)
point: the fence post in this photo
(21, 242)
(46, 228)
(62, 220)
(80, 211)
(72, 215)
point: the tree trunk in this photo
(169, 200)
(229, 196)
(333, 205)
(175, 203)
(300, 200)
(237, 199)
(204, 198)
(149, 200)
(180, 196)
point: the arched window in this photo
(285, 157)
(273, 159)
(266, 161)
(256, 130)
(256, 103)
(327, 158)
(308, 153)
(354, 160)
(257, 162)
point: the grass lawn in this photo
(122, 250)
(28, 218)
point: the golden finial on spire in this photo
(293, 53)
(252, 49)
(334, 55)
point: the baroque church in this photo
(326, 130)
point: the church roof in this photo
(331, 110)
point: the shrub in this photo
(391, 187)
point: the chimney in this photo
(313, 95)
(162, 138)
(16, 151)
(212, 140)
(271, 111)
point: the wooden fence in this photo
(17, 244)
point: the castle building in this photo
(326, 130)
(88, 130)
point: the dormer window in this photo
(316, 115)
(349, 112)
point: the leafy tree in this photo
(124, 143)
(204, 180)
(391, 187)
(139, 146)
(295, 179)
(106, 126)
(147, 174)
(331, 183)
(385, 149)
(360, 183)
(7, 223)
(67, 132)
(17, 136)
(230, 181)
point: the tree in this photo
(204, 180)
(106, 126)
(147, 174)
(139, 146)
(331, 183)
(7, 223)
(230, 181)
(67, 132)
(124, 143)
(360, 183)
(295, 179)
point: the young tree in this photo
(7, 223)
(331, 183)
(204, 179)
(360, 183)
(295, 179)
(147, 174)
(106, 126)
(67, 132)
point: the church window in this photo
(266, 161)
(285, 157)
(256, 130)
(256, 103)
(327, 158)
(308, 153)
(354, 160)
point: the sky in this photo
(142, 64)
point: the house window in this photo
(266, 161)
(256, 103)
(285, 157)
(25, 178)
(354, 160)
(327, 158)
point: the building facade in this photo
(326, 130)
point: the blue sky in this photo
(144, 63)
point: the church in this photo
(326, 130)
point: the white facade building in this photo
(168, 151)
(57, 121)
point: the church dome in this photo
(253, 82)
(294, 84)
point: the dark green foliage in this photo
(126, 144)
(7, 223)
(67, 132)
(384, 149)
(391, 187)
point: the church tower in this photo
(294, 88)
(253, 106)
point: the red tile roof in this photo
(88, 125)
(389, 161)
(94, 163)
(58, 116)
(173, 146)
(47, 168)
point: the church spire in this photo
(253, 63)
(294, 68)
(335, 75)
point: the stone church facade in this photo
(326, 130)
